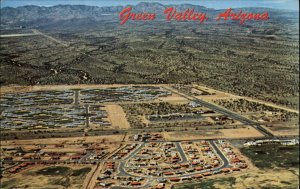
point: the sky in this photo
(217, 4)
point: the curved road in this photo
(181, 152)
(123, 172)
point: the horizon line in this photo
(211, 4)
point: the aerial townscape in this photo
(89, 103)
(136, 136)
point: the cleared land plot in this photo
(241, 132)
(117, 117)
(213, 134)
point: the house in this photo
(134, 183)
(185, 165)
(165, 168)
(199, 168)
(168, 173)
(225, 170)
(197, 176)
(235, 169)
(152, 168)
(174, 179)
(207, 174)
(23, 165)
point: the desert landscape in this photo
(88, 103)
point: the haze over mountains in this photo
(42, 16)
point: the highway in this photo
(10, 135)
(223, 111)
(37, 32)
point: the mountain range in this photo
(41, 16)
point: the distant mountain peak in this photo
(35, 16)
